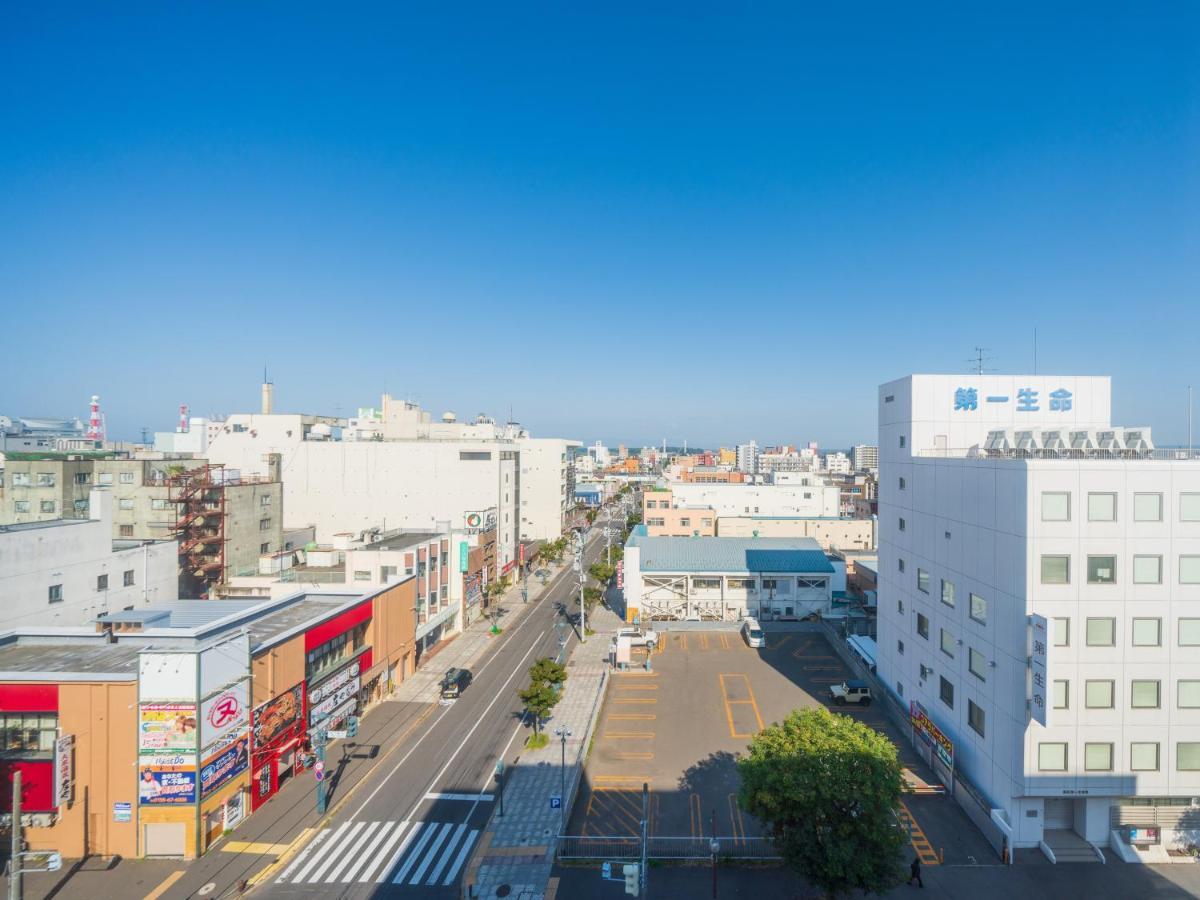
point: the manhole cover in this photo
(504, 890)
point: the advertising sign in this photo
(166, 726)
(620, 574)
(333, 684)
(219, 768)
(64, 770)
(1039, 649)
(276, 716)
(225, 712)
(462, 557)
(122, 812)
(480, 521)
(942, 745)
(346, 694)
(167, 676)
(166, 785)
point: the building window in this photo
(1189, 570)
(1189, 632)
(975, 718)
(1147, 507)
(899, 688)
(45, 479)
(102, 582)
(707, 523)
(903, 525)
(978, 609)
(903, 483)
(977, 664)
(1187, 756)
(25, 735)
(21, 506)
(947, 592)
(125, 503)
(922, 626)
(83, 477)
(1062, 632)
(56, 593)
(1102, 507)
(1189, 507)
(706, 584)
(126, 478)
(1147, 570)
(900, 647)
(926, 672)
(1098, 694)
(685, 523)
(1062, 694)
(1144, 694)
(265, 500)
(48, 506)
(104, 478)
(1056, 506)
(903, 442)
(770, 584)
(1101, 632)
(1187, 694)
(1056, 570)
(158, 504)
(1102, 570)
(741, 584)
(336, 650)
(362, 575)
(900, 607)
(126, 530)
(127, 578)
(1097, 757)
(946, 692)
(474, 455)
(922, 581)
(947, 641)
(21, 479)
(1052, 757)
(900, 563)
(1147, 632)
(264, 524)
(1143, 757)
(264, 548)
(81, 506)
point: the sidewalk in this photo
(517, 849)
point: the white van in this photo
(753, 633)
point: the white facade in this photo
(547, 486)
(815, 498)
(864, 457)
(1105, 546)
(747, 457)
(601, 454)
(836, 463)
(68, 571)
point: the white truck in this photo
(639, 637)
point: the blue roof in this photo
(727, 554)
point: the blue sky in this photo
(692, 224)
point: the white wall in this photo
(818, 499)
(546, 476)
(74, 553)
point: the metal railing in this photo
(1166, 454)
(616, 847)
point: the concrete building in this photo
(663, 518)
(836, 463)
(1039, 581)
(831, 533)
(747, 458)
(864, 457)
(727, 579)
(816, 498)
(547, 486)
(42, 434)
(68, 571)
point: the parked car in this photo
(850, 692)
(753, 634)
(454, 683)
(639, 637)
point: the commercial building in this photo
(547, 486)
(68, 571)
(831, 533)
(836, 463)
(865, 457)
(727, 579)
(165, 728)
(814, 498)
(1038, 585)
(747, 458)
(663, 519)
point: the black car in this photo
(454, 683)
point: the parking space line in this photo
(737, 825)
(703, 641)
(632, 717)
(917, 838)
(638, 687)
(724, 638)
(683, 641)
(695, 815)
(778, 645)
(636, 700)
(629, 735)
(637, 778)
(630, 755)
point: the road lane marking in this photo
(461, 858)
(369, 852)
(166, 883)
(325, 848)
(434, 795)
(342, 845)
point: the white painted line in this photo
(329, 845)
(369, 851)
(427, 829)
(391, 863)
(446, 854)
(299, 860)
(462, 858)
(350, 854)
(345, 842)
(431, 854)
(433, 795)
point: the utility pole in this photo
(582, 604)
(319, 742)
(14, 862)
(642, 876)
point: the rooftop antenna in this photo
(977, 361)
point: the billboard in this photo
(942, 745)
(225, 712)
(225, 764)
(167, 781)
(1039, 658)
(166, 726)
(167, 676)
(276, 716)
(224, 663)
(480, 521)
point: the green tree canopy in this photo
(827, 787)
(548, 671)
(545, 678)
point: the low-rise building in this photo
(816, 498)
(727, 579)
(832, 533)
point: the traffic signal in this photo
(631, 879)
(351, 726)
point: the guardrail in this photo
(620, 847)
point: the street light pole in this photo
(563, 734)
(582, 603)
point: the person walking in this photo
(914, 872)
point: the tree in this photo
(546, 678)
(827, 788)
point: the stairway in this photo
(1068, 847)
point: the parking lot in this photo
(679, 727)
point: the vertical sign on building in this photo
(64, 770)
(1039, 644)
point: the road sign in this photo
(555, 801)
(319, 770)
(335, 735)
(606, 870)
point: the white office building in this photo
(1039, 601)
(864, 457)
(792, 494)
(747, 458)
(836, 463)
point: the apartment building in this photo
(806, 496)
(747, 458)
(663, 519)
(547, 486)
(836, 463)
(864, 457)
(1039, 598)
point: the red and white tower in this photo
(95, 424)
(183, 419)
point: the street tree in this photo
(546, 678)
(827, 788)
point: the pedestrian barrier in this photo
(617, 847)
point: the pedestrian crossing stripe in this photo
(406, 853)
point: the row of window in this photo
(55, 591)
(1102, 507)
(1102, 569)
(1101, 631)
(1144, 756)
(1144, 693)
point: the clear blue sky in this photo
(693, 224)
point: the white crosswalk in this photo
(416, 854)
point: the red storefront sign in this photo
(339, 624)
(277, 729)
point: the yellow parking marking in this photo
(253, 847)
(917, 837)
(696, 815)
(637, 687)
(730, 702)
(632, 717)
(166, 883)
(629, 735)
(778, 645)
(636, 700)
(683, 641)
(637, 778)
(632, 755)
(724, 641)
(703, 641)
(737, 825)
(617, 807)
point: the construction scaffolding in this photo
(198, 496)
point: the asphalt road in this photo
(411, 827)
